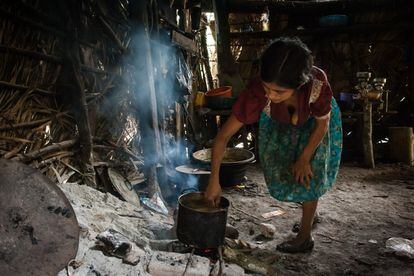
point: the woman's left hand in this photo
(302, 172)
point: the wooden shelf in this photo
(308, 7)
(365, 28)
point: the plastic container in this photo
(200, 99)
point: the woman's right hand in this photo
(213, 190)
(213, 193)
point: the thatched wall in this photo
(87, 85)
(61, 63)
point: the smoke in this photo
(161, 77)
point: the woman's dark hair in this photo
(286, 62)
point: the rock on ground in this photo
(96, 212)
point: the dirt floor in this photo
(363, 210)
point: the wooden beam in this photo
(359, 29)
(225, 62)
(302, 7)
(183, 41)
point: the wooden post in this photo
(204, 54)
(225, 61)
(367, 135)
(72, 85)
(411, 70)
(144, 93)
(401, 144)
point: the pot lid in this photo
(232, 156)
(191, 169)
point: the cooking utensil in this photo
(233, 167)
(200, 225)
(192, 177)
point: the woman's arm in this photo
(302, 170)
(213, 191)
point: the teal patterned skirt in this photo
(279, 147)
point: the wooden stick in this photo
(333, 239)
(112, 34)
(188, 261)
(25, 124)
(24, 87)
(32, 123)
(32, 54)
(106, 89)
(52, 148)
(244, 212)
(108, 28)
(118, 148)
(16, 150)
(55, 158)
(367, 135)
(16, 139)
(50, 58)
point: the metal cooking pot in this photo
(233, 167)
(200, 225)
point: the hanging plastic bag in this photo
(401, 247)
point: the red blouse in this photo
(252, 101)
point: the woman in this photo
(300, 132)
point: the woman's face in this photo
(276, 93)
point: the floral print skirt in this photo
(279, 147)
